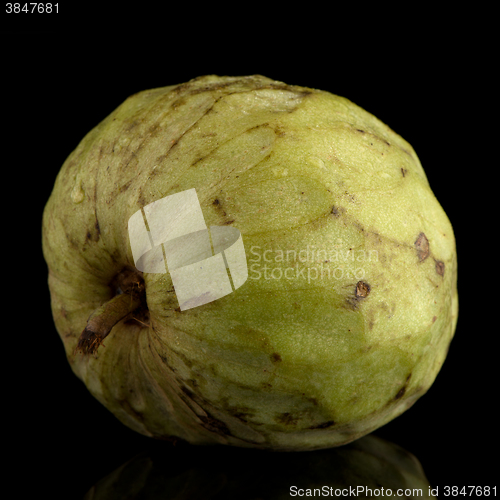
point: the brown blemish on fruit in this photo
(279, 131)
(94, 236)
(404, 171)
(214, 425)
(324, 425)
(125, 186)
(208, 421)
(192, 382)
(210, 87)
(434, 318)
(402, 391)
(241, 413)
(216, 203)
(141, 201)
(422, 246)
(178, 102)
(187, 392)
(201, 158)
(337, 211)
(275, 357)
(286, 419)
(362, 289)
(440, 267)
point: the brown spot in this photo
(216, 202)
(187, 392)
(240, 416)
(362, 289)
(403, 171)
(178, 102)
(440, 267)
(214, 425)
(324, 425)
(286, 419)
(402, 391)
(154, 129)
(279, 131)
(141, 200)
(275, 357)
(422, 246)
(125, 186)
(359, 130)
(337, 211)
(206, 88)
(434, 318)
(201, 158)
(227, 222)
(94, 237)
(242, 413)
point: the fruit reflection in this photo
(366, 468)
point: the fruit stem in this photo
(103, 319)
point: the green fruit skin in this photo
(290, 363)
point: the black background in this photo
(56, 87)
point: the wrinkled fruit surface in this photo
(350, 303)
